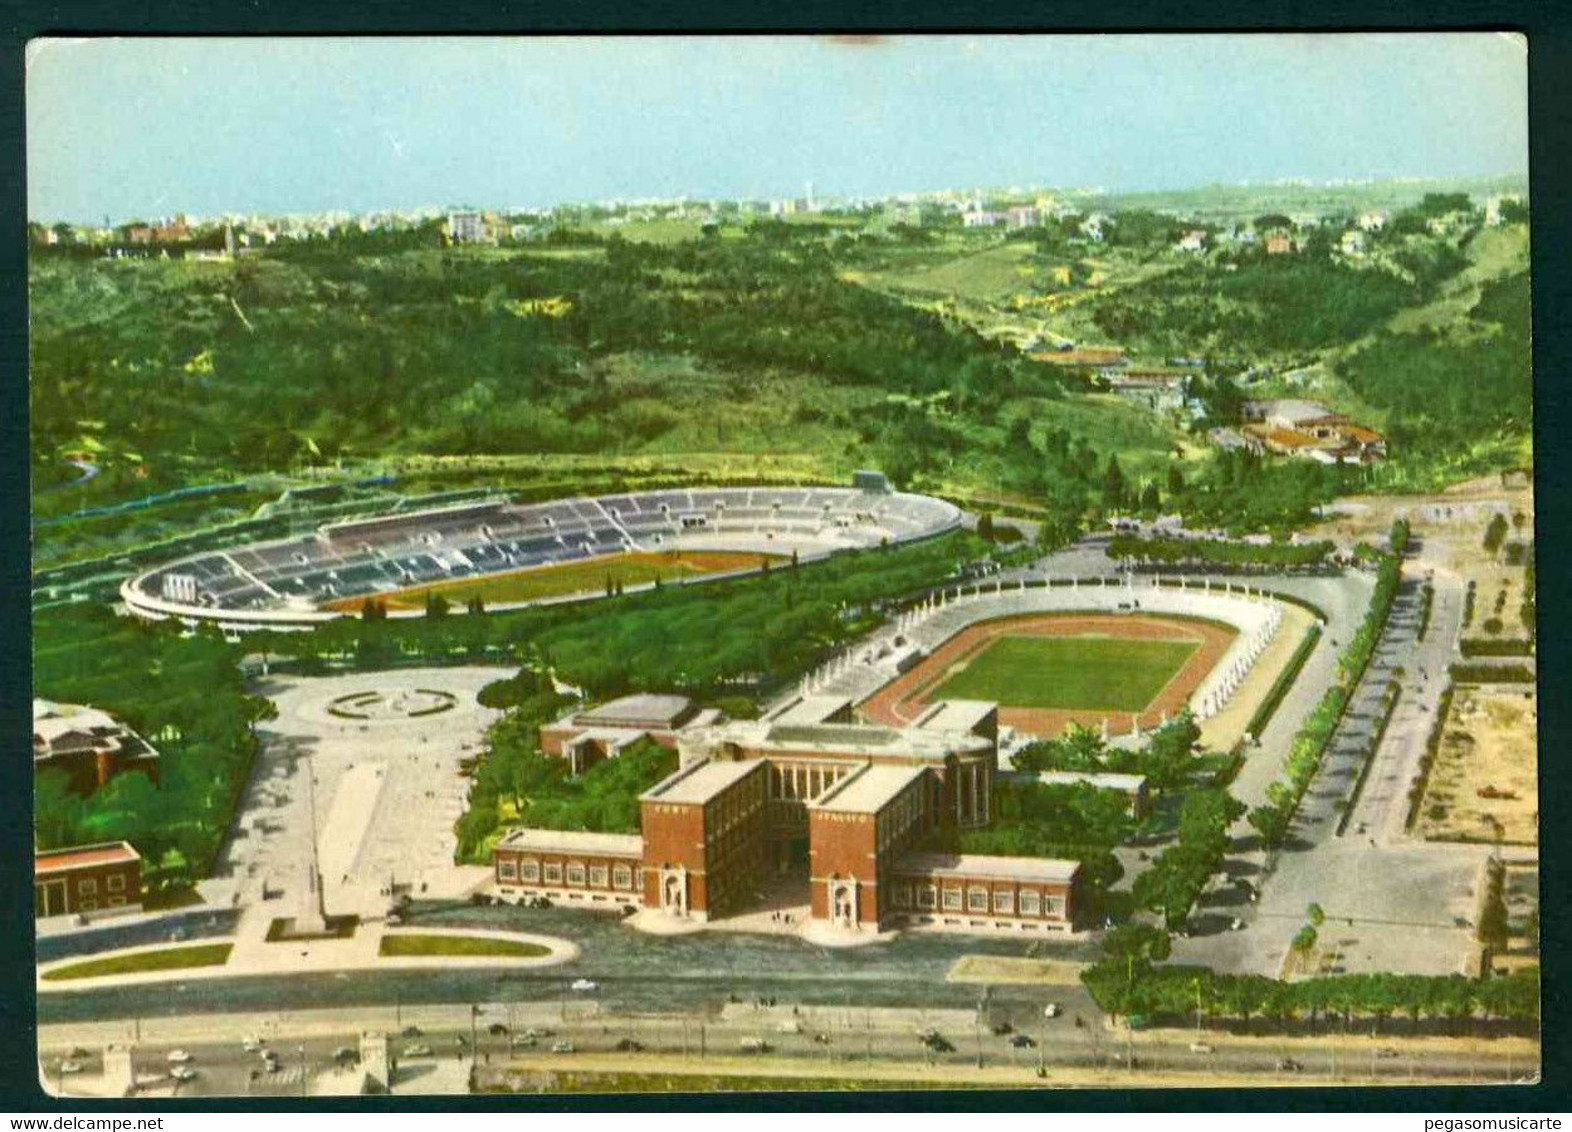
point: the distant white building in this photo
(981, 218)
(1092, 227)
(1372, 221)
(467, 228)
(1353, 242)
(1193, 241)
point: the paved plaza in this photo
(385, 750)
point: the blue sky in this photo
(144, 128)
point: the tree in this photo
(1493, 930)
(985, 526)
(1316, 915)
(1271, 822)
(1113, 485)
(1175, 480)
(1142, 941)
(1272, 222)
(437, 605)
(477, 603)
(1304, 940)
(1151, 500)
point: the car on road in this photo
(822, 1039)
(628, 1045)
(1022, 1041)
(562, 1047)
(583, 985)
(1386, 1052)
(497, 1029)
(251, 1043)
(70, 1065)
(941, 1045)
(346, 1055)
(1288, 1065)
(418, 1051)
(177, 1057)
(1236, 924)
(183, 1073)
(754, 1045)
(791, 1026)
(1202, 1047)
(1052, 1010)
(411, 1031)
(538, 1032)
(1001, 1028)
(521, 1041)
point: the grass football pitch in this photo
(1068, 673)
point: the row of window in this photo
(90, 904)
(88, 886)
(528, 871)
(976, 899)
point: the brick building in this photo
(585, 737)
(87, 880)
(87, 745)
(805, 791)
(571, 866)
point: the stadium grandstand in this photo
(286, 584)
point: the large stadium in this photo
(514, 554)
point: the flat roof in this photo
(810, 709)
(868, 789)
(1042, 869)
(956, 715)
(574, 841)
(855, 739)
(642, 708)
(1128, 783)
(697, 783)
(84, 856)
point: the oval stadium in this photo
(516, 554)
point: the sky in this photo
(144, 128)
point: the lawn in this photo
(571, 578)
(1069, 673)
(170, 959)
(425, 946)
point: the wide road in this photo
(312, 1051)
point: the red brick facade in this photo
(571, 867)
(87, 880)
(704, 846)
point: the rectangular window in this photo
(1004, 902)
(554, 873)
(1053, 906)
(117, 901)
(623, 876)
(529, 871)
(927, 896)
(902, 896)
(977, 900)
(1028, 903)
(507, 870)
(87, 886)
(952, 898)
(597, 876)
(116, 883)
(88, 905)
(575, 874)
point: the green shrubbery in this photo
(186, 697)
(1217, 552)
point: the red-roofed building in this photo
(87, 880)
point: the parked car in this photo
(1052, 1010)
(562, 1047)
(628, 1045)
(822, 1039)
(1236, 925)
(1386, 1051)
(70, 1065)
(497, 1030)
(251, 1043)
(418, 1051)
(183, 1073)
(523, 1042)
(346, 1055)
(941, 1045)
(1001, 1028)
(755, 1045)
(583, 985)
(790, 1026)
(1288, 1065)
(1201, 1047)
(412, 1031)
(1022, 1041)
(177, 1057)
(540, 1032)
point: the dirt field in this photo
(904, 698)
(569, 579)
(1488, 743)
